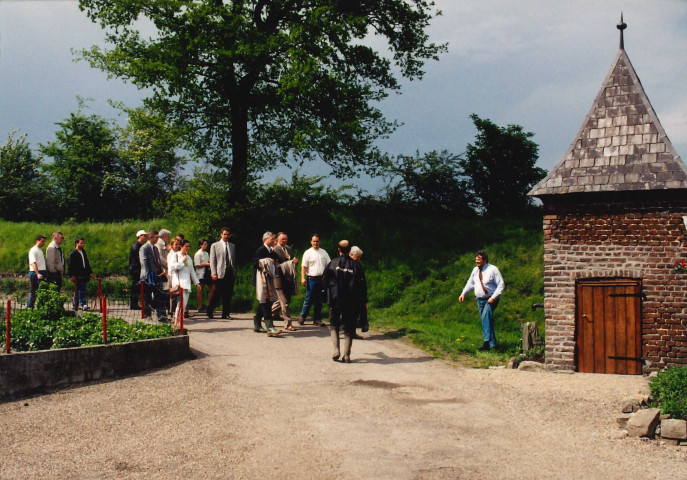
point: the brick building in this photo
(615, 223)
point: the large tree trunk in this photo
(238, 177)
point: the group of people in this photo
(163, 269)
(52, 267)
(342, 280)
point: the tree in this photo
(434, 180)
(501, 168)
(22, 186)
(102, 171)
(148, 154)
(261, 82)
(86, 168)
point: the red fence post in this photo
(103, 309)
(8, 328)
(143, 302)
(181, 308)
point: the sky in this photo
(535, 63)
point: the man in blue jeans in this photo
(37, 268)
(314, 262)
(487, 282)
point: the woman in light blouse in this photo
(182, 273)
(202, 261)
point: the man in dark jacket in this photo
(79, 271)
(343, 279)
(264, 284)
(135, 269)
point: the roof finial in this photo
(621, 26)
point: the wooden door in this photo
(608, 321)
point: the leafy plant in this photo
(669, 392)
(50, 326)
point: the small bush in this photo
(669, 392)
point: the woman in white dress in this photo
(182, 274)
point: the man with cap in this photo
(135, 269)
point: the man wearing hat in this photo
(135, 269)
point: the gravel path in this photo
(252, 407)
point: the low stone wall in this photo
(29, 372)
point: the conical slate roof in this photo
(621, 145)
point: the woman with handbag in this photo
(182, 274)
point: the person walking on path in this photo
(80, 272)
(37, 268)
(201, 260)
(361, 315)
(285, 280)
(54, 259)
(151, 271)
(487, 282)
(315, 259)
(135, 269)
(265, 270)
(181, 273)
(343, 279)
(223, 272)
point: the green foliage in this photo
(255, 84)
(501, 166)
(434, 180)
(101, 171)
(86, 168)
(50, 326)
(22, 185)
(669, 392)
(534, 354)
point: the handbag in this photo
(175, 291)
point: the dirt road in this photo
(253, 407)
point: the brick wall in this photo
(611, 239)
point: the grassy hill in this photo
(416, 266)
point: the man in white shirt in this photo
(314, 262)
(487, 282)
(37, 268)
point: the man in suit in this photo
(264, 284)
(223, 272)
(285, 279)
(151, 268)
(80, 272)
(54, 260)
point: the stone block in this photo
(528, 366)
(631, 405)
(643, 423)
(622, 420)
(672, 428)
